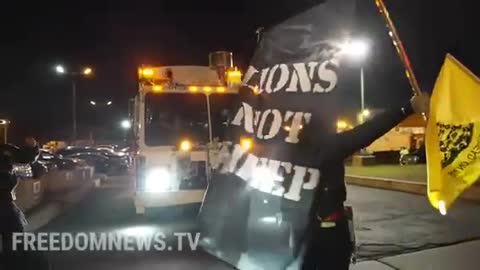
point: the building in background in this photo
(409, 134)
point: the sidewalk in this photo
(53, 207)
(462, 256)
(472, 193)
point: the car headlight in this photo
(246, 143)
(158, 180)
(23, 170)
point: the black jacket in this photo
(11, 217)
(331, 192)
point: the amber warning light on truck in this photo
(145, 73)
(234, 77)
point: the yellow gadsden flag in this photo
(453, 134)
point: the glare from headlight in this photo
(138, 231)
(264, 179)
(269, 220)
(158, 180)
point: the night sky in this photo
(114, 37)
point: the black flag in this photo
(257, 206)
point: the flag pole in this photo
(397, 42)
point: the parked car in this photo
(98, 161)
(124, 159)
(104, 151)
(416, 157)
(63, 163)
(128, 152)
(125, 150)
(22, 169)
(49, 165)
(39, 169)
(74, 150)
(102, 163)
(107, 146)
(120, 157)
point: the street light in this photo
(126, 124)
(60, 69)
(342, 124)
(358, 50)
(363, 116)
(366, 113)
(95, 103)
(4, 125)
(87, 71)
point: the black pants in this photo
(328, 248)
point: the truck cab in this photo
(179, 112)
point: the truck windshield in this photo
(169, 118)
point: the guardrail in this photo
(29, 193)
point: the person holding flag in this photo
(279, 203)
(328, 241)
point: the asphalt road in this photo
(387, 223)
(390, 223)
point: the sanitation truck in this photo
(178, 112)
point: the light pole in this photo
(84, 72)
(74, 111)
(362, 90)
(96, 107)
(358, 50)
(4, 125)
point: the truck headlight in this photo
(246, 143)
(158, 180)
(185, 145)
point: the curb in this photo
(472, 194)
(387, 183)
